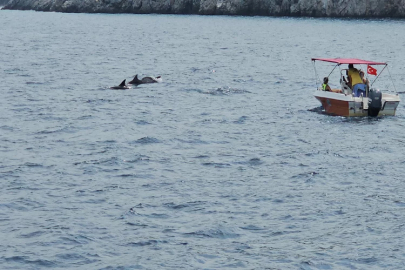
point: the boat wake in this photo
(356, 119)
(319, 109)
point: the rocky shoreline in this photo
(296, 8)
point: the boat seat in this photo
(345, 88)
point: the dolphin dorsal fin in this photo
(136, 79)
(123, 83)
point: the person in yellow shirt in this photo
(355, 81)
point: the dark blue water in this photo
(226, 164)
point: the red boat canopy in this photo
(349, 61)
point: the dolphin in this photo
(135, 80)
(158, 79)
(121, 86)
(144, 80)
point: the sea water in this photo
(227, 164)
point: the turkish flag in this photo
(371, 70)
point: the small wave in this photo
(136, 224)
(140, 158)
(26, 260)
(147, 243)
(202, 156)
(84, 117)
(221, 121)
(400, 203)
(76, 239)
(303, 175)
(34, 83)
(217, 165)
(147, 140)
(32, 234)
(241, 120)
(279, 233)
(50, 131)
(214, 233)
(7, 128)
(176, 206)
(13, 70)
(158, 215)
(252, 228)
(29, 164)
(72, 257)
(143, 243)
(139, 205)
(192, 141)
(130, 212)
(111, 160)
(255, 161)
(251, 162)
(142, 122)
(133, 175)
(101, 100)
(367, 260)
(195, 206)
(126, 175)
(225, 91)
(194, 90)
(194, 69)
(221, 91)
(107, 141)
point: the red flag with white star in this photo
(371, 70)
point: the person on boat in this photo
(364, 79)
(355, 81)
(326, 87)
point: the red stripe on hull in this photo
(336, 107)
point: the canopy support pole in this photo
(316, 75)
(392, 79)
(333, 69)
(378, 75)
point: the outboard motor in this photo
(374, 102)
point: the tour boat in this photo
(344, 102)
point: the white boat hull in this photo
(347, 105)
